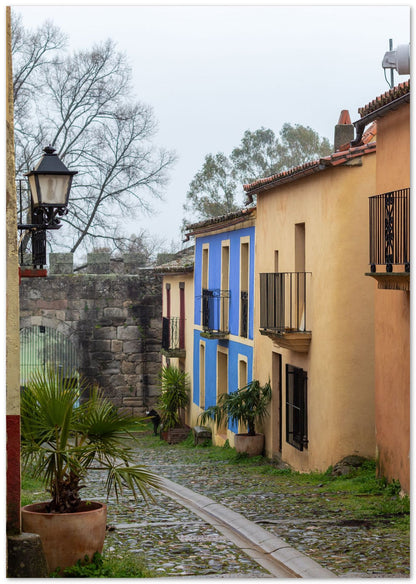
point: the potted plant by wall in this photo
(247, 406)
(172, 401)
(62, 440)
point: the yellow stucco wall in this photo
(333, 204)
(174, 279)
(393, 151)
(392, 345)
(12, 276)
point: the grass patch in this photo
(103, 567)
(31, 490)
(358, 495)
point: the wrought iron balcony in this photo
(173, 337)
(215, 313)
(283, 309)
(389, 233)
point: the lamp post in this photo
(50, 183)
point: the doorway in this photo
(222, 386)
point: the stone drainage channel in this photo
(185, 533)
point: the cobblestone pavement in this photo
(175, 542)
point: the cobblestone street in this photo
(175, 542)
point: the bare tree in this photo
(84, 108)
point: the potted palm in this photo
(62, 440)
(246, 406)
(173, 400)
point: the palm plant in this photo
(174, 396)
(247, 405)
(63, 439)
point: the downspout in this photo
(378, 113)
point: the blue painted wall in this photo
(214, 274)
(235, 348)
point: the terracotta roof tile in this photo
(229, 218)
(370, 134)
(386, 98)
(335, 159)
(181, 262)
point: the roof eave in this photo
(377, 113)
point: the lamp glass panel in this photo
(54, 189)
(34, 193)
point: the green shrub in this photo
(102, 567)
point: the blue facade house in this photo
(223, 311)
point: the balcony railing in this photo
(283, 308)
(390, 231)
(173, 336)
(215, 312)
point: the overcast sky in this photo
(212, 72)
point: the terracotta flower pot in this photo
(251, 445)
(175, 435)
(67, 537)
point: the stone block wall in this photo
(113, 319)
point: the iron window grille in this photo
(390, 230)
(284, 301)
(296, 407)
(215, 308)
(173, 337)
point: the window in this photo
(181, 315)
(299, 247)
(300, 267)
(242, 372)
(167, 300)
(244, 280)
(296, 407)
(222, 382)
(276, 261)
(204, 275)
(242, 382)
(202, 375)
(225, 284)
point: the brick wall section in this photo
(114, 320)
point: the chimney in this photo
(344, 131)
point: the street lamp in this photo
(50, 182)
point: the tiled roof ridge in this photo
(334, 159)
(385, 98)
(221, 218)
(182, 262)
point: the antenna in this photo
(398, 59)
(391, 70)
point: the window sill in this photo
(174, 353)
(215, 334)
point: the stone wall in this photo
(114, 320)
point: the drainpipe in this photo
(378, 113)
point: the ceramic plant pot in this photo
(251, 445)
(67, 537)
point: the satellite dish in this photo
(398, 59)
